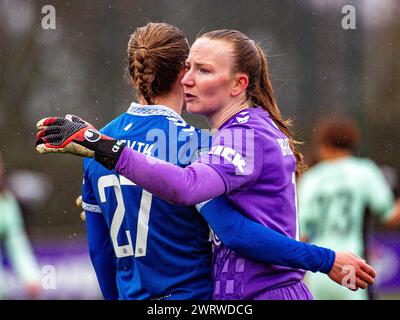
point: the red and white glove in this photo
(75, 136)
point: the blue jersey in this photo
(153, 249)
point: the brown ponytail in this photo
(265, 97)
(250, 59)
(156, 55)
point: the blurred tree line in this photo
(317, 68)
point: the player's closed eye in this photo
(204, 71)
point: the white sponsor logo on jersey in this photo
(230, 155)
(242, 119)
(128, 126)
(285, 147)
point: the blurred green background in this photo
(318, 68)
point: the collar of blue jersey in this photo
(152, 110)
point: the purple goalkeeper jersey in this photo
(255, 161)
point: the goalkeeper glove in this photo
(78, 137)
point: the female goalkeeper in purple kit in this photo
(253, 160)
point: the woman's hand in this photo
(351, 271)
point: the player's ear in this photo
(240, 84)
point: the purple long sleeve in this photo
(185, 186)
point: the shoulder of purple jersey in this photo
(242, 133)
(246, 119)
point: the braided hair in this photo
(156, 55)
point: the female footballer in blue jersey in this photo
(253, 261)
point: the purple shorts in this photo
(294, 291)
